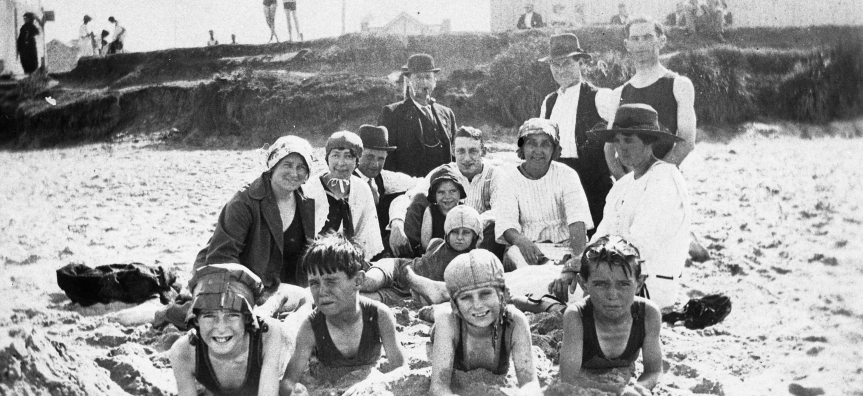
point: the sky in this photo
(160, 24)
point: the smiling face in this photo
(644, 43)
(342, 163)
(461, 238)
(632, 151)
(335, 293)
(422, 84)
(447, 196)
(224, 331)
(538, 149)
(611, 290)
(479, 307)
(468, 156)
(372, 161)
(566, 71)
(289, 174)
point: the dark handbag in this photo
(130, 283)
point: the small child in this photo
(345, 330)
(392, 280)
(608, 328)
(478, 329)
(230, 351)
(445, 193)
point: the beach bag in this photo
(702, 312)
(129, 283)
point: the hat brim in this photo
(387, 148)
(579, 54)
(607, 135)
(406, 70)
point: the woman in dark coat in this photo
(27, 43)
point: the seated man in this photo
(345, 330)
(478, 317)
(229, 351)
(480, 181)
(608, 328)
(541, 200)
(393, 280)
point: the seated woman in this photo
(268, 224)
(649, 207)
(345, 329)
(608, 329)
(478, 317)
(393, 280)
(444, 193)
(229, 351)
(352, 208)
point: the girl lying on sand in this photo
(479, 330)
(230, 351)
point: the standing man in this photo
(86, 39)
(386, 185)
(420, 128)
(291, 10)
(212, 42)
(530, 19)
(26, 44)
(119, 37)
(574, 108)
(672, 95)
(622, 17)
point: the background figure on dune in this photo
(291, 10)
(270, 15)
(27, 43)
(86, 39)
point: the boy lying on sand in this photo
(393, 280)
(479, 330)
(345, 330)
(229, 351)
(608, 328)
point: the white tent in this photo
(11, 19)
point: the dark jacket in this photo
(535, 22)
(249, 232)
(405, 124)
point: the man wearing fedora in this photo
(386, 185)
(421, 128)
(574, 107)
(670, 94)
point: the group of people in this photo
(107, 43)
(213, 42)
(270, 7)
(409, 209)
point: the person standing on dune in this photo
(270, 15)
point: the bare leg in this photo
(434, 291)
(297, 23)
(375, 279)
(288, 18)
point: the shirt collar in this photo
(576, 87)
(362, 176)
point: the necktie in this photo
(428, 113)
(375, 193)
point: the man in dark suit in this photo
(530, 19)
(421, 128)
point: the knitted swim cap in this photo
(538, 125)
(286, 145)
(224, 286)
(345, 140)
(473, 270)
(439, 175)
(462, 216)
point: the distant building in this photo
(405, 25)
(574, 13)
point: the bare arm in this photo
(300, 360)
(522, 354)
(684, 93)
(277, 349)
(182, 356)
(566, 284)
(529, 250)
(392, 346)
(571, 348)
(652, 349)
(443, 352)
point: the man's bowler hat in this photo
(375, 137)
(563, 46)
(637, 118)
(419, 63)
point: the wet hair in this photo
(657, 27)
(646, 139)
(469, 132)
(331, 253)
(614, 251)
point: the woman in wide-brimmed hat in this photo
(649, 206)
